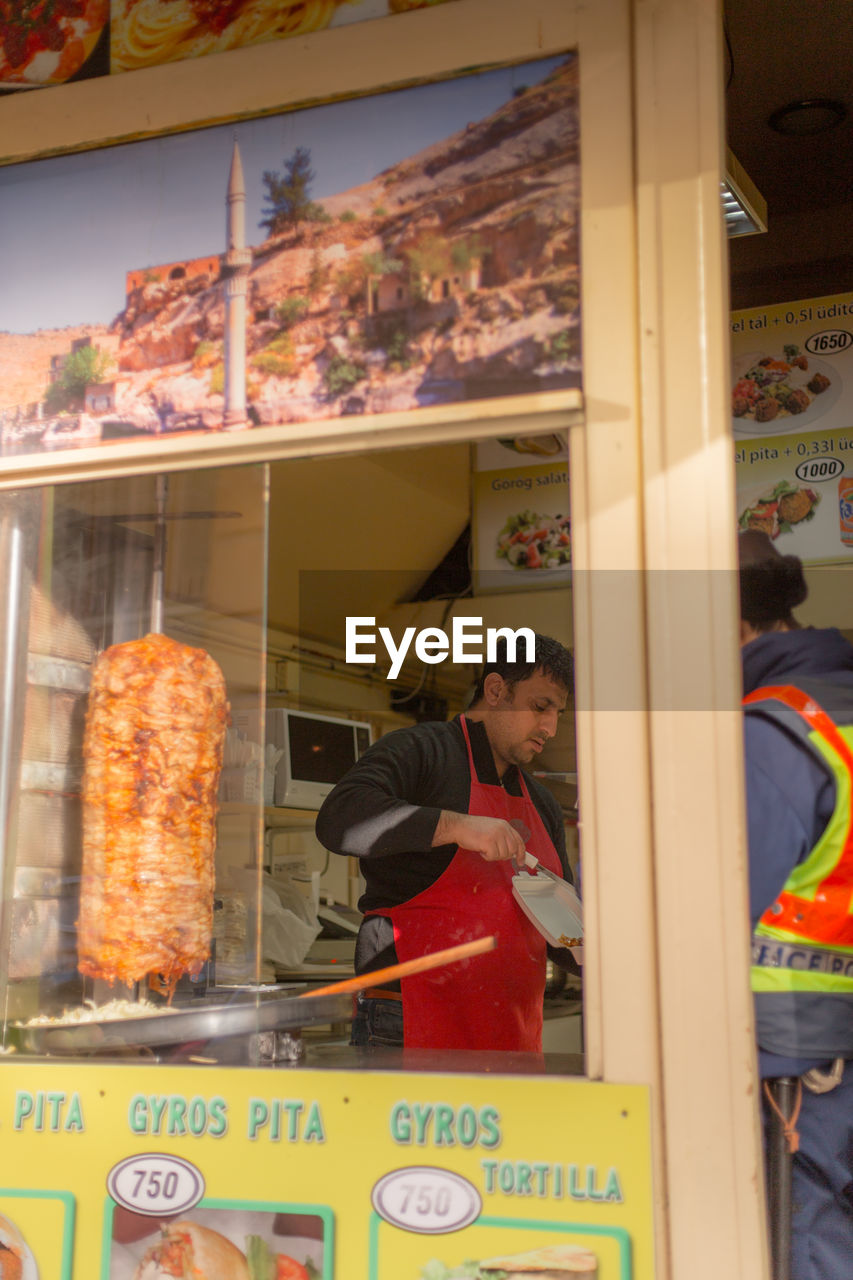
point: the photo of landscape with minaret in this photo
(398, 252)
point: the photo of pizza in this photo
(770, 389)
(47, 41)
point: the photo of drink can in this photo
(845, 509)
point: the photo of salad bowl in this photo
(530, 540)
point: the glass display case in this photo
(131, 806)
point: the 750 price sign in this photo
(427, 1200)
(155, 1184)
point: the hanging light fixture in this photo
(744, 207)
(808, 116)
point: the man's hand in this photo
(494, 839)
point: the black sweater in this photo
(384, 811)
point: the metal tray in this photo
(239, 1017)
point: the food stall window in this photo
(435, 527)
(157, 619)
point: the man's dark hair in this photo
(551, 658)
(771, 585)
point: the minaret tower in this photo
(238, 259)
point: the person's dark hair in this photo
(771, 585)
(551, 658)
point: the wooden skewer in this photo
(404, 970)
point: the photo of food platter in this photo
(782, 391)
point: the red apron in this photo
(492, 1001)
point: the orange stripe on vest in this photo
(828, 918)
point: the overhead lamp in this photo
(744, 207)
(808, 116)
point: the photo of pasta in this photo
(148, 32)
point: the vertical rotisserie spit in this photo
(155, 728)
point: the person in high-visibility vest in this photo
(798, 713)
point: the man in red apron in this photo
(440, 816)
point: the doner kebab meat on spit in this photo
(154, 737)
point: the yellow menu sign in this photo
(792, 421)
(319, 1175)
